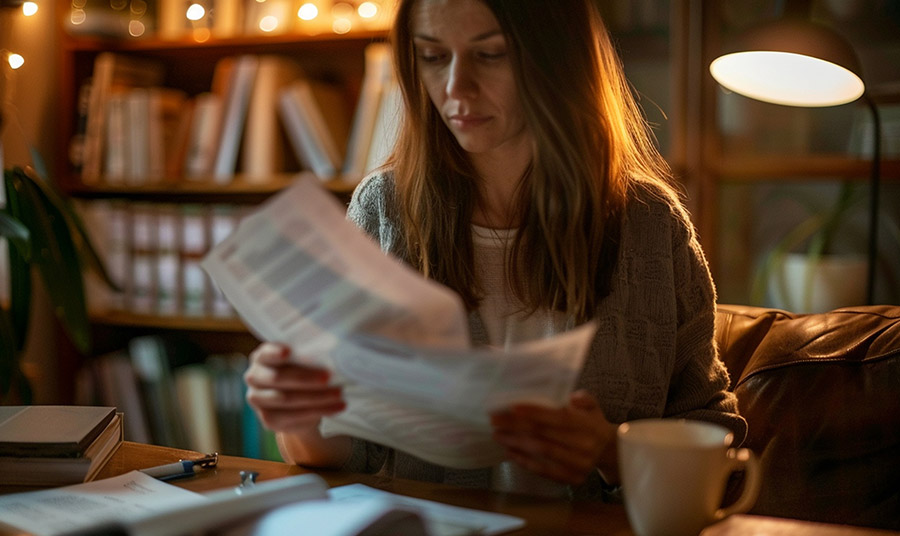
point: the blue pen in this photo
(181, 468)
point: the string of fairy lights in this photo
(343, 16)
(12, 58)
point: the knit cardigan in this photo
(654, 352)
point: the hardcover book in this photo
(62, 471)
(51, 431)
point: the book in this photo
(51, 431)
(239, 85)
(387, 126)
(61, 471)
(114, 378)
(152, 363)
(314, 118)
(226, 373)
(197, 407)
(115, 159)
(378, 73)
(203, 135)
(166, 130)
(262, 152)
(144, 246)
(167, 259)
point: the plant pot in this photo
(804, 285)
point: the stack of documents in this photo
(299, 273)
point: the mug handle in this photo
(746, 460)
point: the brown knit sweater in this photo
(654, 354)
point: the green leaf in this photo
(9, 362)
(88, 253)
(19, 270)
(56, 257)
(16, 233)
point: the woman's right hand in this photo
(286, 396)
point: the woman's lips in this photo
(464, 122)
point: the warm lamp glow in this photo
(29, 8)
(367, 10)
(268, 23)
(195, 12)
(77, 16)
(15, 60)
(136, 28)
(308, 12)
(787, 78)
(341, 26)
(201, 35)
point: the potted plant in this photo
(45, 233)
(804, 272)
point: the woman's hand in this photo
(565, 444)
(288, 397)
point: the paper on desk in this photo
(72, 508)
(441, 519)
(299, 273)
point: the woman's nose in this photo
(461, 80)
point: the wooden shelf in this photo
(764, 168)
(182, 323)
(238, 191)
(85, 43)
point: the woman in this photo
(526, 180)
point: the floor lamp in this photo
(795, 62)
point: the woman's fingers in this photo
(564, 444)
(271, 367)
(270, 353)
(287, 396)
(302, 399)
(294, 420)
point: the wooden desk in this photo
(544, 516)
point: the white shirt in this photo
(507, 322)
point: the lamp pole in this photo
(874, 187)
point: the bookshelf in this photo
(134, 208)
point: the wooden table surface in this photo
(543, 516)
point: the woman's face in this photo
(464, 64)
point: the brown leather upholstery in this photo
(821, 395)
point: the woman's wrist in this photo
(309, 448)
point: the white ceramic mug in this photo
(674, 473)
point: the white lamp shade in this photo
(791, 62)
(787, 78)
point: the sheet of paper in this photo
(441, 519)
(369, 515)
(299, 273)
(71, 508)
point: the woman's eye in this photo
(430, 57)
(492, 56)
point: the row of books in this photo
(153, 251)
(171, 394)
(261, 117)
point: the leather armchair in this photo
(821, 395)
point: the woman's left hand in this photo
(564, 444)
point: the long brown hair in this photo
(591, 143)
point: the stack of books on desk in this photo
(56, 445)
